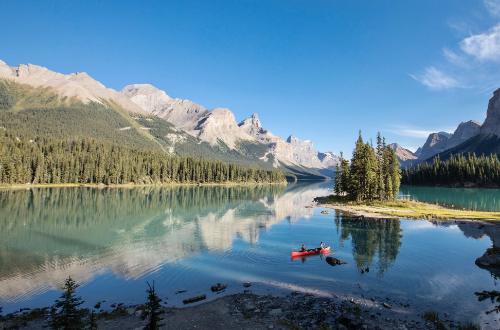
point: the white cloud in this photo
(417, 132)
(436, 79)
(454, 58)
(493, 7)
(484, 46)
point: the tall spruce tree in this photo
(65, 314)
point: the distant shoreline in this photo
(404, 209)
(459, 186)
(134, 185)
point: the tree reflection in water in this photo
(372, 239)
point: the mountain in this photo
(491, 125)
(439, 143)
(435, 143)
(38, 102)
(487, 139)
(218, 127)
(469, 137)
(402, 153)
(464, 131)
(79, 86)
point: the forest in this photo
(88, 161)
(458, 170)
(372, 174)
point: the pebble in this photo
(275, 311)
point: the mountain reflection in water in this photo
(46, 234)
(113, 240)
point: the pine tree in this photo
(153, 310)
(65, 313)
(92, 321)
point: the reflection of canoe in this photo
(310, 252)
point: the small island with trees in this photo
(368, 185)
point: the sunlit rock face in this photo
(492, 123)
(129, 232)
(219, 126)
(79, 86)
(403, 154)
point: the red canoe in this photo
(310, 252)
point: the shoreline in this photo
(134, 185)
(406, 209)
(248, 310)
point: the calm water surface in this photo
(479, 199)
(114, 240)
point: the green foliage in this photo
(373, 174)
(458, 170)
(7, 99)
(152, 309)
(86, 161)
(76, 121)
(65, 313)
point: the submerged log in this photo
(194, 299)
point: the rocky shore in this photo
(252, 311)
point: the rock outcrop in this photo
(492, 123)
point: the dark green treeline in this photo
(458, 170)
(87, 161)
(372, 173)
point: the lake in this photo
(188, 238)
(478, 199)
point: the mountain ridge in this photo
(215, 131)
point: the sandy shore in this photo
(404, 209)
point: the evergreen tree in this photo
(345, 176)
(153, 310)
(87, 161)
(92, 321)
(380, 160)
(65, 313)
(458, 170)
(373, 174)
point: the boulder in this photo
(332, 261)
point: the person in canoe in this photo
(303, 248)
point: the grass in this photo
(404, 209)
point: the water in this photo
(479, 199)
(114, 240)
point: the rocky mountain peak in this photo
(492, 123)
(79, 86)
(147, 96)
(402, 153)
(252, 125)
(464, 131)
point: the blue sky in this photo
(318, 69)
